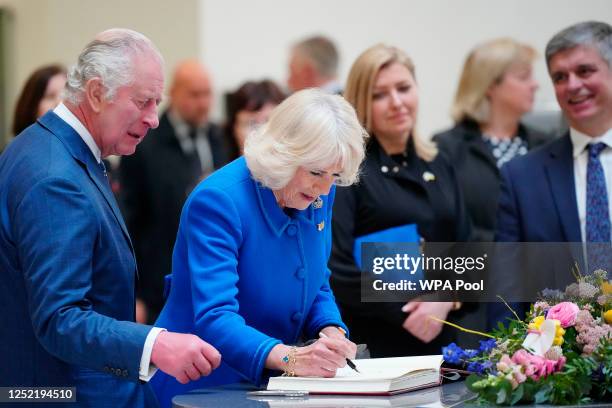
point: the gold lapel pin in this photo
(429, 176)
(318, 203)
(321, 225)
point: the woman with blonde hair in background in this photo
(495, 90)
(404, 183)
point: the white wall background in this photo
(55, 31)
(243, 40)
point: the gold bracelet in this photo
(289, 360)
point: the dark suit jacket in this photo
(477, 172)
(538, 204)
(155, 182)
(68, 272)
(538, 196)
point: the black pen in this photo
(349, 362)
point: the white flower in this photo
(554, 353)
(586, 290)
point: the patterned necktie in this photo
(597, 211)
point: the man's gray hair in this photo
(594, 34)
(322, 52)
(110, 57)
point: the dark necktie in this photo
(193, 134)
(597, 211)
(194, 160)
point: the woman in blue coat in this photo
(250, 269)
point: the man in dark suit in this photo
(157, 179)
(561, 192)
(66, 259)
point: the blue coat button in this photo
(296, 317)
(299, 273)
(291, 230)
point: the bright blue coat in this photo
(246, 276)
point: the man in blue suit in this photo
(561, 192)
(66, 260)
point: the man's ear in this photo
(309, 71)
(95, 92)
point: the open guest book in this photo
(377, 376)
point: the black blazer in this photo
(387, 195)
(477, 172)
(154, 184)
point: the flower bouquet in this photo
(561, 354)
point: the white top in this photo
(146, 369)
(581, 159)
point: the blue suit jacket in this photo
(246, 276)
(68, 271)
(538, 204)
(538, 196)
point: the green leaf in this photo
(517, 394)
(501, 396)
(469, 382)
(543, 394)
(504, 393)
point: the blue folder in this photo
(401, 233)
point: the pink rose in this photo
(535, 366)
(564, 312)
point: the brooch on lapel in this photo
(429, 176)
(321, 225)
(318, 203)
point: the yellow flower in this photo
(536, 323)
(559, 331)
(608, 316)
(606, 288)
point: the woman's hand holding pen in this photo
(319, 359)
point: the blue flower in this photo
(480, 368)
(489, 367)
(453, 354)
(487, 345)
(475, 367)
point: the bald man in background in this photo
(157, 179)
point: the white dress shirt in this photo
(146, 369)
(580, 143)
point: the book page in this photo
(388, 368)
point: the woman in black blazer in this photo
(403, 181)
(496, 89)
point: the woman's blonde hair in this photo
(360, 84)
(311, 129)
(485, 66)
